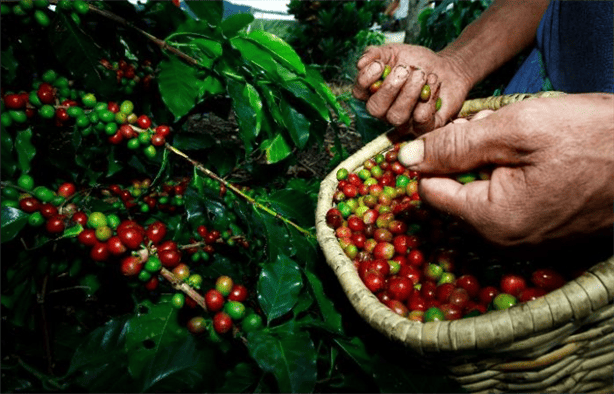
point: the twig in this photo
(184, 287)
(230, 186)
(161, 43)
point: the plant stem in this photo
(184, 287)
(249, 199)
(161, 43)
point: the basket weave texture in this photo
(561, 342)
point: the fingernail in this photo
(412, 153)
(376, 67)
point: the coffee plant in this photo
(329, 33)
(145, 250)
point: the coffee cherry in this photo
(375, 86)
(238, 293)
(66, 189)
(156, 232)
(131, 265)
(434, 314)
(224, 284)
(144, 122)
(56, 224)
(197, 325)
(425, 93)
(131, 237)
(547, 279)
(222, 322)
(97, 219)
(169, 258)
(87, 237)
(513, 284)
(504, 301)
(251, 323)
(178, 300)
(115, 246)
(103, 233)
(214, 300)
(235, 309)
(29, 204)
(14, 101)
(99, 252)
(181, 272)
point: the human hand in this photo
(553, 176)
(398, 100)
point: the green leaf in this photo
(103, 346)
(292, 205)
(239, 379)
(279, 49)
(178, 86)
(13, 220)
(315, 80)
(209, 48)
(278, 287)
(73, 231)
(9, 65)
(290, 357)
(247, 106)
(261, 58)
(25, 150)
(177, 366)
(367, 126)
(224, 159)
(192, 141)
(8, 163)
(303, 92)
(276, 235)
(210, 11)
(297, 124)
(330, 314)
(212, 86)
(234, 23)
(276, 149)
(113, 165)
(151, 329)
(78, 52)
(100, 363)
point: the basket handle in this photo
(471, 107)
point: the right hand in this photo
(398, 99)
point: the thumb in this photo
(459, 147)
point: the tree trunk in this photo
(412, 27)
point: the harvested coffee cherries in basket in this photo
(421, 263)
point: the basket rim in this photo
(575, 301)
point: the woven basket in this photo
(562, 342)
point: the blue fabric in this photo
(574, 50)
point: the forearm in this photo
(502, 31)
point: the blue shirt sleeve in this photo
(574, 51)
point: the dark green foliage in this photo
(328, 32)
(71, 324)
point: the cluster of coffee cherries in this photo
(141, 196)
(42, 203)
(74, 8)
(412, 258)
(129, 75)
(225, 302)
(29, 10)
(53, 98)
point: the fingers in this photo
(459, 147)
(380, 101)
(370, 54)
(492, 211)
(424, 115)
(365, 79)
(400, 111)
